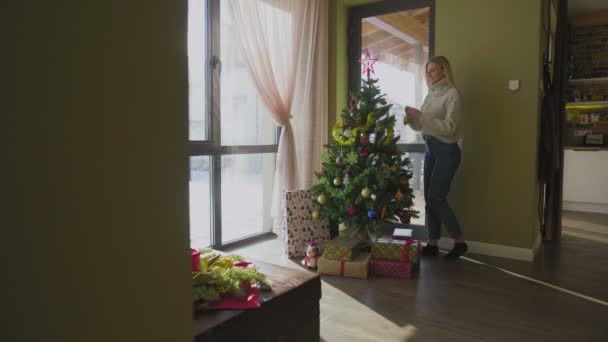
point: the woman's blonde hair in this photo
(444, 64)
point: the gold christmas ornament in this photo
(337, 181)
(366, 192)
(386, 171)
(322, 199)
(315, 215)
(394, 168)
(398, 196)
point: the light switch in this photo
(513, 85)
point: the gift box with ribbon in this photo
(357, 268)
(414, 251)
(404, 268)
(390, 249)
(393, 269)
(341, 248)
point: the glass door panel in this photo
(200, 202)
(246, 194)
(400, 41)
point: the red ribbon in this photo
(343, 255)
(406, 250)
(341, 268)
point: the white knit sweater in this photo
(441, 113)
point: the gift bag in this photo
(299, 228)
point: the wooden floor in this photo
(592, 226)
(466, 301)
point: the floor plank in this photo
(464, 301)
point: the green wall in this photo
(488, 43)
(96, 167)
(338, 62)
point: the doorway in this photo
(401, 35)
(585, 187)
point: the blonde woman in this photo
(440, 120)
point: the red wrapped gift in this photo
(251, 299)
(393, 269)
(196, 260)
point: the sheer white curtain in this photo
(285, 46)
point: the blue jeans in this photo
(440, 163)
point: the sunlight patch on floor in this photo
(346, 316)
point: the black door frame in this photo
(355, 15)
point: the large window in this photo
(233, 141)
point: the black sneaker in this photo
(430, 250)
(459, 249)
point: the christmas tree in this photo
(364, 179)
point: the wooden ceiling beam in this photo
(405, 24)
(401, 34)
(374, 44)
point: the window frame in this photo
(212, 147)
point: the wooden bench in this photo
(290, 312)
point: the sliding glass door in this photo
(400, 34)
(233, 141)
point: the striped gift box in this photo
(389, 249)
(393, 269)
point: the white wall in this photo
(586, 181)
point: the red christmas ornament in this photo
(364, 153)
(405, 218)
(351, 211)
(372, 100)
(363, 139)
(352, 101)
(404, 183)
(357, 122)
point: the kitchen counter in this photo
(586, 148)
(585, 179)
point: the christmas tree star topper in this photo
(368, 63)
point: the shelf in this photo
(586, 148)
(587, 105)
(586, 80)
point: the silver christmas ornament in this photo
(372, 138)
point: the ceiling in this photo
(396, 38)
(585, 6)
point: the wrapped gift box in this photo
(357, 268)
(299, 229)
(389, 249)
(414, 249)
(396, 250)
(393, 269)
(341, 248)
